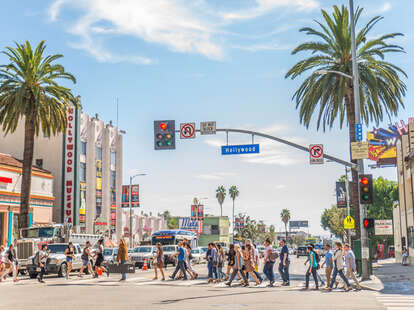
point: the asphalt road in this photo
(140, 292)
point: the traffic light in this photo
(366, 189)
(164, 135)
(368, 223)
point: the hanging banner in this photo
(125, 196)
(69, 183)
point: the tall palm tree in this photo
(221, 195)
(29, 90)
(234, 193)
(285, 217)
(330, 96)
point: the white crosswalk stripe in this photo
(396, 301)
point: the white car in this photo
(198, 256)
(142, 253)
(110, 255)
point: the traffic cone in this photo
(145, 267)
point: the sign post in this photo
(316, 154)
(208, 128)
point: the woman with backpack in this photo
(313, 267)
(248, 258)
(237, 267)
(220, 262)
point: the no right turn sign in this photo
(316, 154)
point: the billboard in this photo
(239, 223)
(69, 175)
(197, 212)
(298, 224)
(134, 196)
(186, 223)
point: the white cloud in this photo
(215, 175)
(384, 8)
(264, 47)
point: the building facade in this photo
(215, 228)
(41, 197)
(86, 163)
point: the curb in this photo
(376, 283)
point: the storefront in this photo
(41, 198)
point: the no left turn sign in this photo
(316, 154)
(187, 131)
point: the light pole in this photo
(360, 162)
(131, 178)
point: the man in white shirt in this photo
(269, 264)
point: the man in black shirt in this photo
(284, 263)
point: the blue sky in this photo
(204, 60)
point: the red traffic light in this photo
(364, 181)
(163, 126)
(368, 223)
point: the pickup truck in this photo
(56, 262)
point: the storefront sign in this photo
(69, 184)
(187, 223)
(383, 228)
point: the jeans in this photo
(284, 271)
(220, 272)
(233, 275)
(268, 271)
(312, 271)
(212, 269)
(123, 274)
(341, 274)
(259, 277)
(42, 272)
(180, 266)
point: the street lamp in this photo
(323, 72)
(131, 178)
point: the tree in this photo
(331, 96)
(250, 230)
(29, 90)
(234, 193)
(385, 194)
(285, 217)
(171, 221)
(221, 195)
(333, 220)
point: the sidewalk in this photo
(391, 277)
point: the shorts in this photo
(85, 262)
(68, 259)
(99, 262)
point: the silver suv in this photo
(142, 253)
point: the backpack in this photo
(273, 257)
(35, 259)
(318, 259)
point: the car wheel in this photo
(63, 270)
(33, 275)
(22, 272)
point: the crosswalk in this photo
(396, 301)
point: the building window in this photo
(83, 148)
(215, 230)
(113, 196)
(113, 158)
(82, 173)
(113, 179)
(98, 153)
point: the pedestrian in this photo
(318, 259)
(257, 263)
(311, 270)
(237, 267)
(180, 261)
(122, 256)
(248, 258)
(351, 265)
(188, 263)
(284, 263)
(2, 262)
(86, 254)
(328, 264)
(404, 256)
(212, 260)
(338, 260)
(42, 257)
(11, 262)
(269, 263)
(158, 262)
(99, 259)
(220, 261)
(69, 252)
(230, 261)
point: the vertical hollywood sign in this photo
(69, 166)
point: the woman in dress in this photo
(69, 257)
(158, 262)
(230, 261)
(248, 257)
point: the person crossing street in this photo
(284, 263)
(269, 263)
(351, 265)
(181, 266)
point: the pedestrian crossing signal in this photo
(368, 223)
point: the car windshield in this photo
(195, 251)
(42, 232)
(146, 249)
(108, 252)
(57, 248)
(169, 249)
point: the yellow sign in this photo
(359, 150)
(240, 238)
(349, 223)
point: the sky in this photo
(205, 60)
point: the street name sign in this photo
(298, 224)
(383, 228)
(187, 131)
(359, 150)
(208, 128)
(316, 154)
(240, 149)
(349, 222)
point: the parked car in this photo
(56, 262)
(168, 251)
(110, 255)
(142, 253)
(301, 251)
(198, 256)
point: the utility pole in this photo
(360, 162)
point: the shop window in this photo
(215, 230)
(82, 173)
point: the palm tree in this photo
(221, 195)
(285, 217)
(29, 90)
(330, 97)
(234, 193)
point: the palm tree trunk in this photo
(233, 220)
(29, 132)
(350, 108)
(221, 209)
(286, 232)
